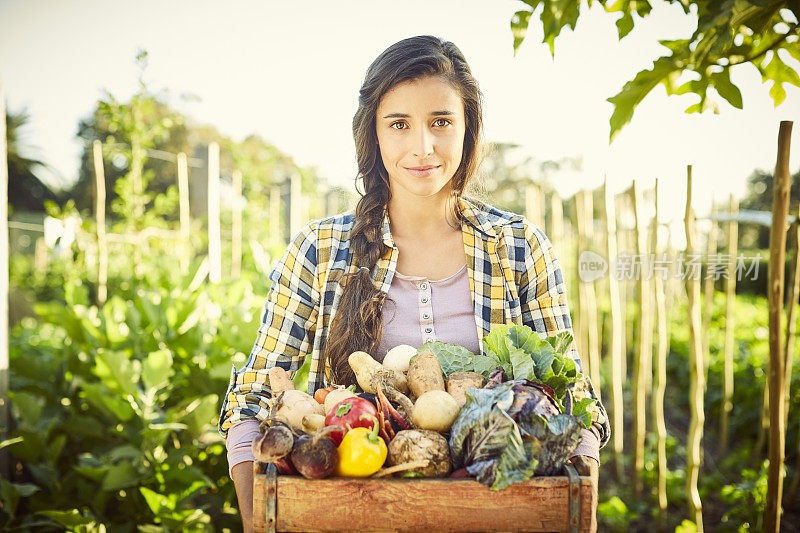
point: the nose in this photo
(423, 143)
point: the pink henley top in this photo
(417, 310)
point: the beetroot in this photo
(315, 456)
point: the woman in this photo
(416, 262)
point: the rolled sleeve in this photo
(285, 335)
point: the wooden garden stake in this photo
(100, 214)
(777, 253)
(644, 352)
(236, 230)
(616, 344)
(660, 384)
(730, 299)
(5, 465)
(791, 321)
(185, 220)
(708, 291)
(295, 205)
(275, 215)
(557, 220)
(214, 244)
(534, 201)
(591, 325)
(697, 383)
(580, 327)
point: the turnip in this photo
(435, 410)
(337, 396)
(274, 446)
(399, 357)
(315, 456)
(288, 404)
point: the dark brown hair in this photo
(357, 324)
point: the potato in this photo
(435, 410)
(279, 380)
(399, 357)
(459, 382)
(425, 374)
(412, 445)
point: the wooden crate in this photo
(292, 503)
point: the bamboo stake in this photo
(557, 222)
(214, 241)
(730, 298)
(660, 384)
(644, 352)
(617, 348)
(185, 220)
(777, 251)
(623, 287)
(295, 205)
(236, 230)
(708, 291)
(275, 215)
(697, 384)
(580, 326)
(100, 214)
(791, 306)
(533, 205)
(5, 462)
(592, 330)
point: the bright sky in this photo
(290, 71)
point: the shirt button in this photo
(424, 299)
(428, 330)
(423, 286)
(426, 316)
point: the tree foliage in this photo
(729, 33)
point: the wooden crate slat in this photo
(540, 504)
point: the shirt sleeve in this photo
(285, 335)
(543, 300)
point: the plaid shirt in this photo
(514, 275)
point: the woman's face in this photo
(420, 126)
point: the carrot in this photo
(320, 394)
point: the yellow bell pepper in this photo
(362, 452)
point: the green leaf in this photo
(120, 476)
(726, 89)
(519, 27)
(624, 25)
(69, 519)
(156, 501)
(116, 368)
(522, 365)
(107, 401)
(10, 493)
(157, 369)
(634, 91)
(28, 407)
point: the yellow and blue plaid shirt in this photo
(514, 275)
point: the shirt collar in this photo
(473, 212)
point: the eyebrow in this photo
(434, 113)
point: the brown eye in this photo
(398, 123)
(441, 122)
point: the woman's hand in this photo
(588, 466)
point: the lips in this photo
(422, 171)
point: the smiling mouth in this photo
(423, 171)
